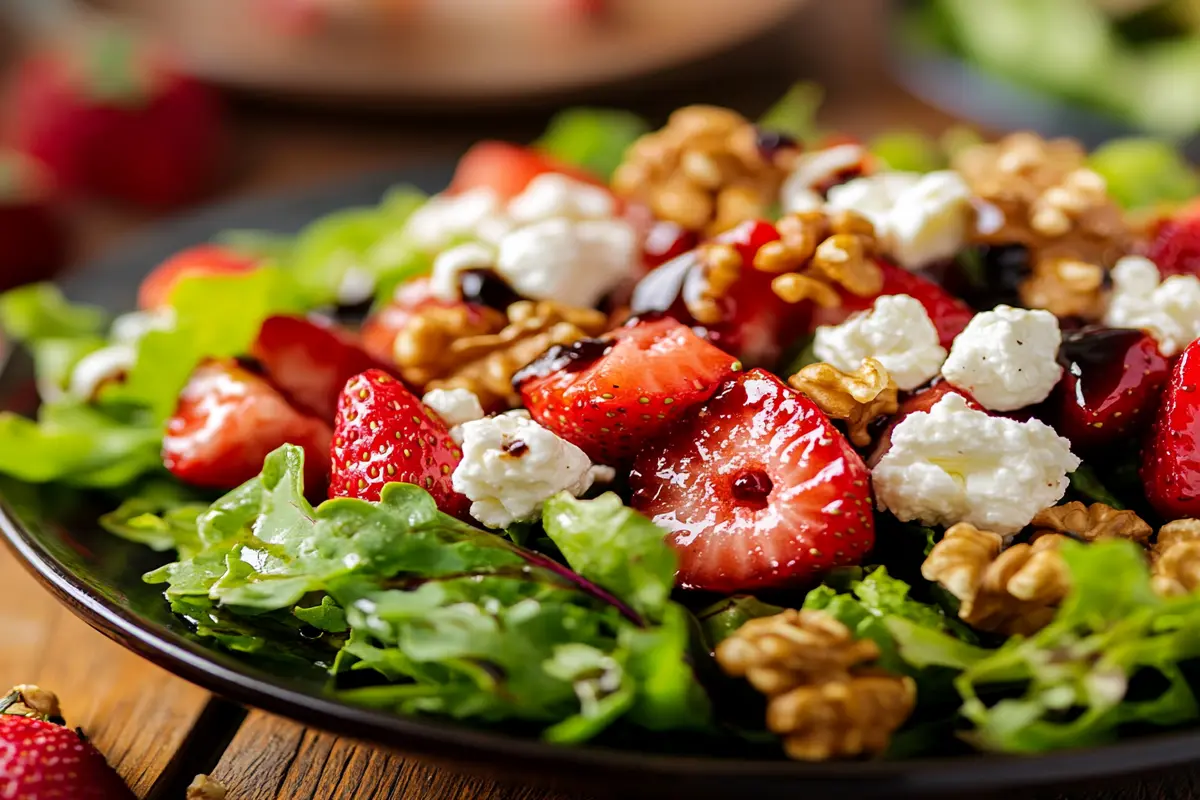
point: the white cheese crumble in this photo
(511, 466)
(356, 286)
(443, 281)
(1006, 358)
(106, 364)
(1169, 310)
(956, 464)
(575, 263)
(897, 331)
(919, 219)
(130, 328)
(553, 194)
(455, 407)
(814, 170)
(448, 219)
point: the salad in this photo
(780, 442)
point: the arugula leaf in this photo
(327, 615)
(77, 445)
(594, 139)
(614, 546)
(722, 618)
(216, 316)
(795, 114)
(39, 311)
(159, 521)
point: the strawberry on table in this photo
(310, 360)
(383, 434)
(110, 118)
(1171, 456)
(33, 236)
(607, 396)
(1111, 387)
(507, 169)
(42, 759)
(201, 260)
(949, 314)
(228, 420)
(757, 489)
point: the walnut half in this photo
(823, 698)
(1175, 569)
(857, 397)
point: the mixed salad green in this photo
(568, 624)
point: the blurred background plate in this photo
(445, 50)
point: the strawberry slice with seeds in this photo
(205, 259)
(310, 360)
(383, 434)
(609, 395)
(949, 314)
(1171, 457)
(228, 420)
(757, 489)
(1111, 387)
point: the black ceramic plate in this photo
(98, 576)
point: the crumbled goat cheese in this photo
(575, 263)
(455, 407)
(815, 170)
(897, 332)
(511, 466)
(1006, 358)
(956, 464)
(1169, 310)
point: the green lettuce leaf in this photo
(722, 618)
(615, 547)
(909, 151)
(39, 311)
(594, 139)
(1143, 172)
(216, 316)
(158, 517)
(795, 114)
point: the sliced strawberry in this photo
(755, 325)
(1175, 247)
(949, 314)
(507, 169)
(757, 489)
(310, 360)
(1171, 456)
(205, 259)
(922, 400)
(609, 395)
(1111, 387)
(228, 420)
(383, 434)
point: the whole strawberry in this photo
(383, 434)
(41, 759)
(33, 238)
(111, 119)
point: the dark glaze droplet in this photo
(516, 448)
(1096, 345)
(772, 143)
(484, 287)
(662, 286)
(570, 357)
(752, 488)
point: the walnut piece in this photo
(857, 397)
(484, 357)
(972, 565)
(205, 788)
(822, 698)
(705, 170)
(34, 701)
(721, 265)
(1090, 523)
(1042, 195)
(1175, 567)
(817, 252)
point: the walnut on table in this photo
(857, 397)
(823, 697)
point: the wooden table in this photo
(158, 730)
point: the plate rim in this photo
(472, 748)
